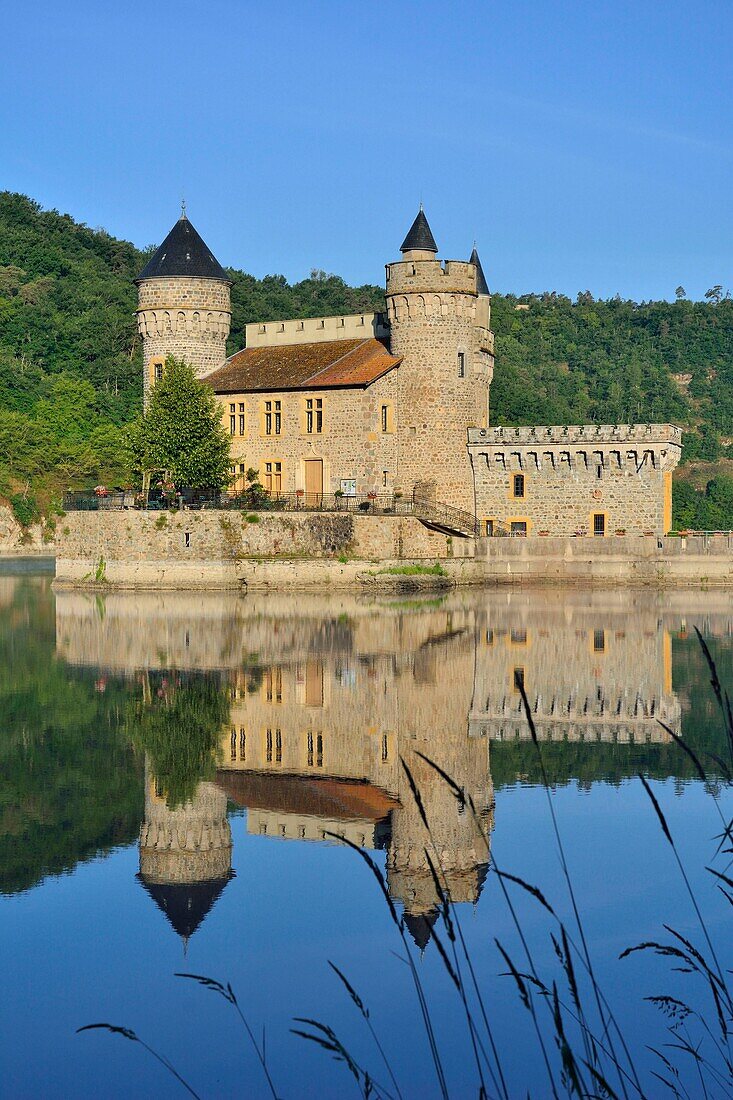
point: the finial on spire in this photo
(183, 210)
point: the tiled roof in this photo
(328, 365)
(183, 252)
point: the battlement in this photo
(313, 330)
(581, 434)
(434, 276)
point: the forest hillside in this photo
(70, 360)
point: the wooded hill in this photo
(70, 360)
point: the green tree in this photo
(181, 431)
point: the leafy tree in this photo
(181, 431)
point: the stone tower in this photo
(439, 314)
(183, 305)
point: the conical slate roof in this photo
(183, 252)
(420, 237)
(420, 926)
(481, 285)
(185, 904)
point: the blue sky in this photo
(583, 144)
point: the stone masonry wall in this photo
(621, 472)
(208, 548)
(185, 317)
(434, 315)
(351, 445)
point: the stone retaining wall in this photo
(213, 549)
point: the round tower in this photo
(184, 306)
(439, 315)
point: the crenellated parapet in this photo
(639, 448)
(579, 433)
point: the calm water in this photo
(172, 766)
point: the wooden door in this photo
(313, 481)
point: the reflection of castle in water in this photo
(185, 853)
(314, 749)
(325, 696)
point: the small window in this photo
(489, 528)
(314, 415)
(599, 641)
(187, 539)
(599, 524)
(518, 485)
(241, 422)
(242, 468)
(461, 364)
(518, 528)
(158, 372)
(518, 637)
(273, 477)
(385, 418)
(232, 425)
(518, 679)
(273, 417)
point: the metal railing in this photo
(431, 512)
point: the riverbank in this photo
(313, 551)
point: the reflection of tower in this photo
(434, 721)
(461, 843)
(185, 854)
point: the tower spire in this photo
(419, 237)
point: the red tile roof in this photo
(331, 364)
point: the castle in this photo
(397, 404)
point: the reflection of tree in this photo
(69, 785)
(178, 722)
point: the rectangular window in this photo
(489, 528)
(599, 524)
(518, 528)
(273, 417)
(268, 747)
(242, 743)
(518, 485)
(599, 641)
(241, 419)
(385, 749)
(314, 415)
(158, 371)
(232, 424)
(273, 477)
(461, 364)
(518, 679)
(384, 418)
